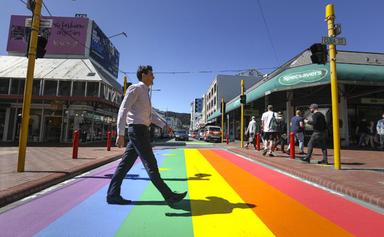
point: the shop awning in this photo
(308, 76)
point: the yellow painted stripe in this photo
(217, 210)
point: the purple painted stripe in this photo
(30, 218)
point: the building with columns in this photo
(74, 87)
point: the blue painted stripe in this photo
(94, 217)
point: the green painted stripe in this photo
(151, 216)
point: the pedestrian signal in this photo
(243, 99)
(319, 53)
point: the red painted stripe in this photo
(356, 219)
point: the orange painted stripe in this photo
(282, 214)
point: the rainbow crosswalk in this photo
(227, 196)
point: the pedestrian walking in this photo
(319, 134)
(136, 111)
(270, 126)
(281, 136)
(380, 131)
(297, 127)
(251, 131)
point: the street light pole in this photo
(28, 86)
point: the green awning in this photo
(309, 75)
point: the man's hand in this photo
(120, 141)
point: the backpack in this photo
(273, 124)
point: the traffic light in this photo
(243, 99)
(221, 107)
(319, 53)
(41, 45)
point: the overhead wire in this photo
(268, 32)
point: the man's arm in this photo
(157, 121)
(129, 99)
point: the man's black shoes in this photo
(118, 200)
(175, 198)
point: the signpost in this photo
(333, 40)
(44, 23)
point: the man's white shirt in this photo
(266, 119)
(136, 108)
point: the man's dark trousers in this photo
(139, 145)
(320, 139)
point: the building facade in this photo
(227, 87)
(74, 87)
(299, 83)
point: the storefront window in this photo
(36, 87)
(78, 88)
(64, 88)
(17, 87)
(92, 89)
(4, 85)
(50, 87)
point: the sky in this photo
(191, 36)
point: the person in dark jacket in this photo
(319, 134)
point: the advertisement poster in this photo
(103, 51)
(66, 35)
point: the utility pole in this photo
(242, 117)
(28, 86)
(330, 18)
(222, 118)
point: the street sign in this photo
(44, 23)
(334, 40)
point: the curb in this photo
(23, 190)
(345, 189)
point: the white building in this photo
(196, 113)
(227, 86)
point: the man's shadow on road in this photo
(212, 205)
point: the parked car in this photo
(212, 133)
(181, 135)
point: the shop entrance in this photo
(52, 128)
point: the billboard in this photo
(103, 51)
(67, 35)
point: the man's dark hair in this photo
(143, 69)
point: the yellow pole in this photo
(125, 84)
(222, 119)
(28, 86)
(242, 118)
(330, 17)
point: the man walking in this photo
(270, 126)
(380, 131)
(136, 111)
(297, 127)
(251, 131)
(319, 134)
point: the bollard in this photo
(292, 145)
(258, 141)
(75, 144)
(109, 140)
(227, 138)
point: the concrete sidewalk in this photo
(361, 175)
(46, 166)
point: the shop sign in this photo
(303, 77)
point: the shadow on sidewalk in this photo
(212, 205)
(199, 176)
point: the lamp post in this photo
(121, 33)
